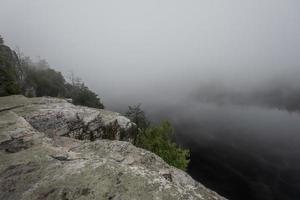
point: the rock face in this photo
(50, 149)
(56, 117)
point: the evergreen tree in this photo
(137, 116)
(157, 139)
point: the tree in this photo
(8, 71)
(137, 116)
(1, 40)
(46, 82)
(82, 95)
(158, 139)
(19, 74)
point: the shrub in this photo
(158, 139)
(81, 95)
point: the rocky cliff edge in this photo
(51, 149)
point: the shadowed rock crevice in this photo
(15, 145)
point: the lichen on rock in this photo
(42, 158)
(57, 117)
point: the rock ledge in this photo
(46, 152)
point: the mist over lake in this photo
(224, 73)
(242, 152)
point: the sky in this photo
(135, 50)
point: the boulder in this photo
(57, 117)
(42, 157)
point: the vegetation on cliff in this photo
(158, 139)
(8, 71)
(21, 75)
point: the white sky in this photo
(159, 49)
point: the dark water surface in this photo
(240, 152)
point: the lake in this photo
(242, 152)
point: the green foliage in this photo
(22, 75)
(81, 95)
(40, 80)
(8, 81)
(47, 82)
(158, 140)
(8, 72)
(137, 116)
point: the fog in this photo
(137, 50)
(225, 73)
